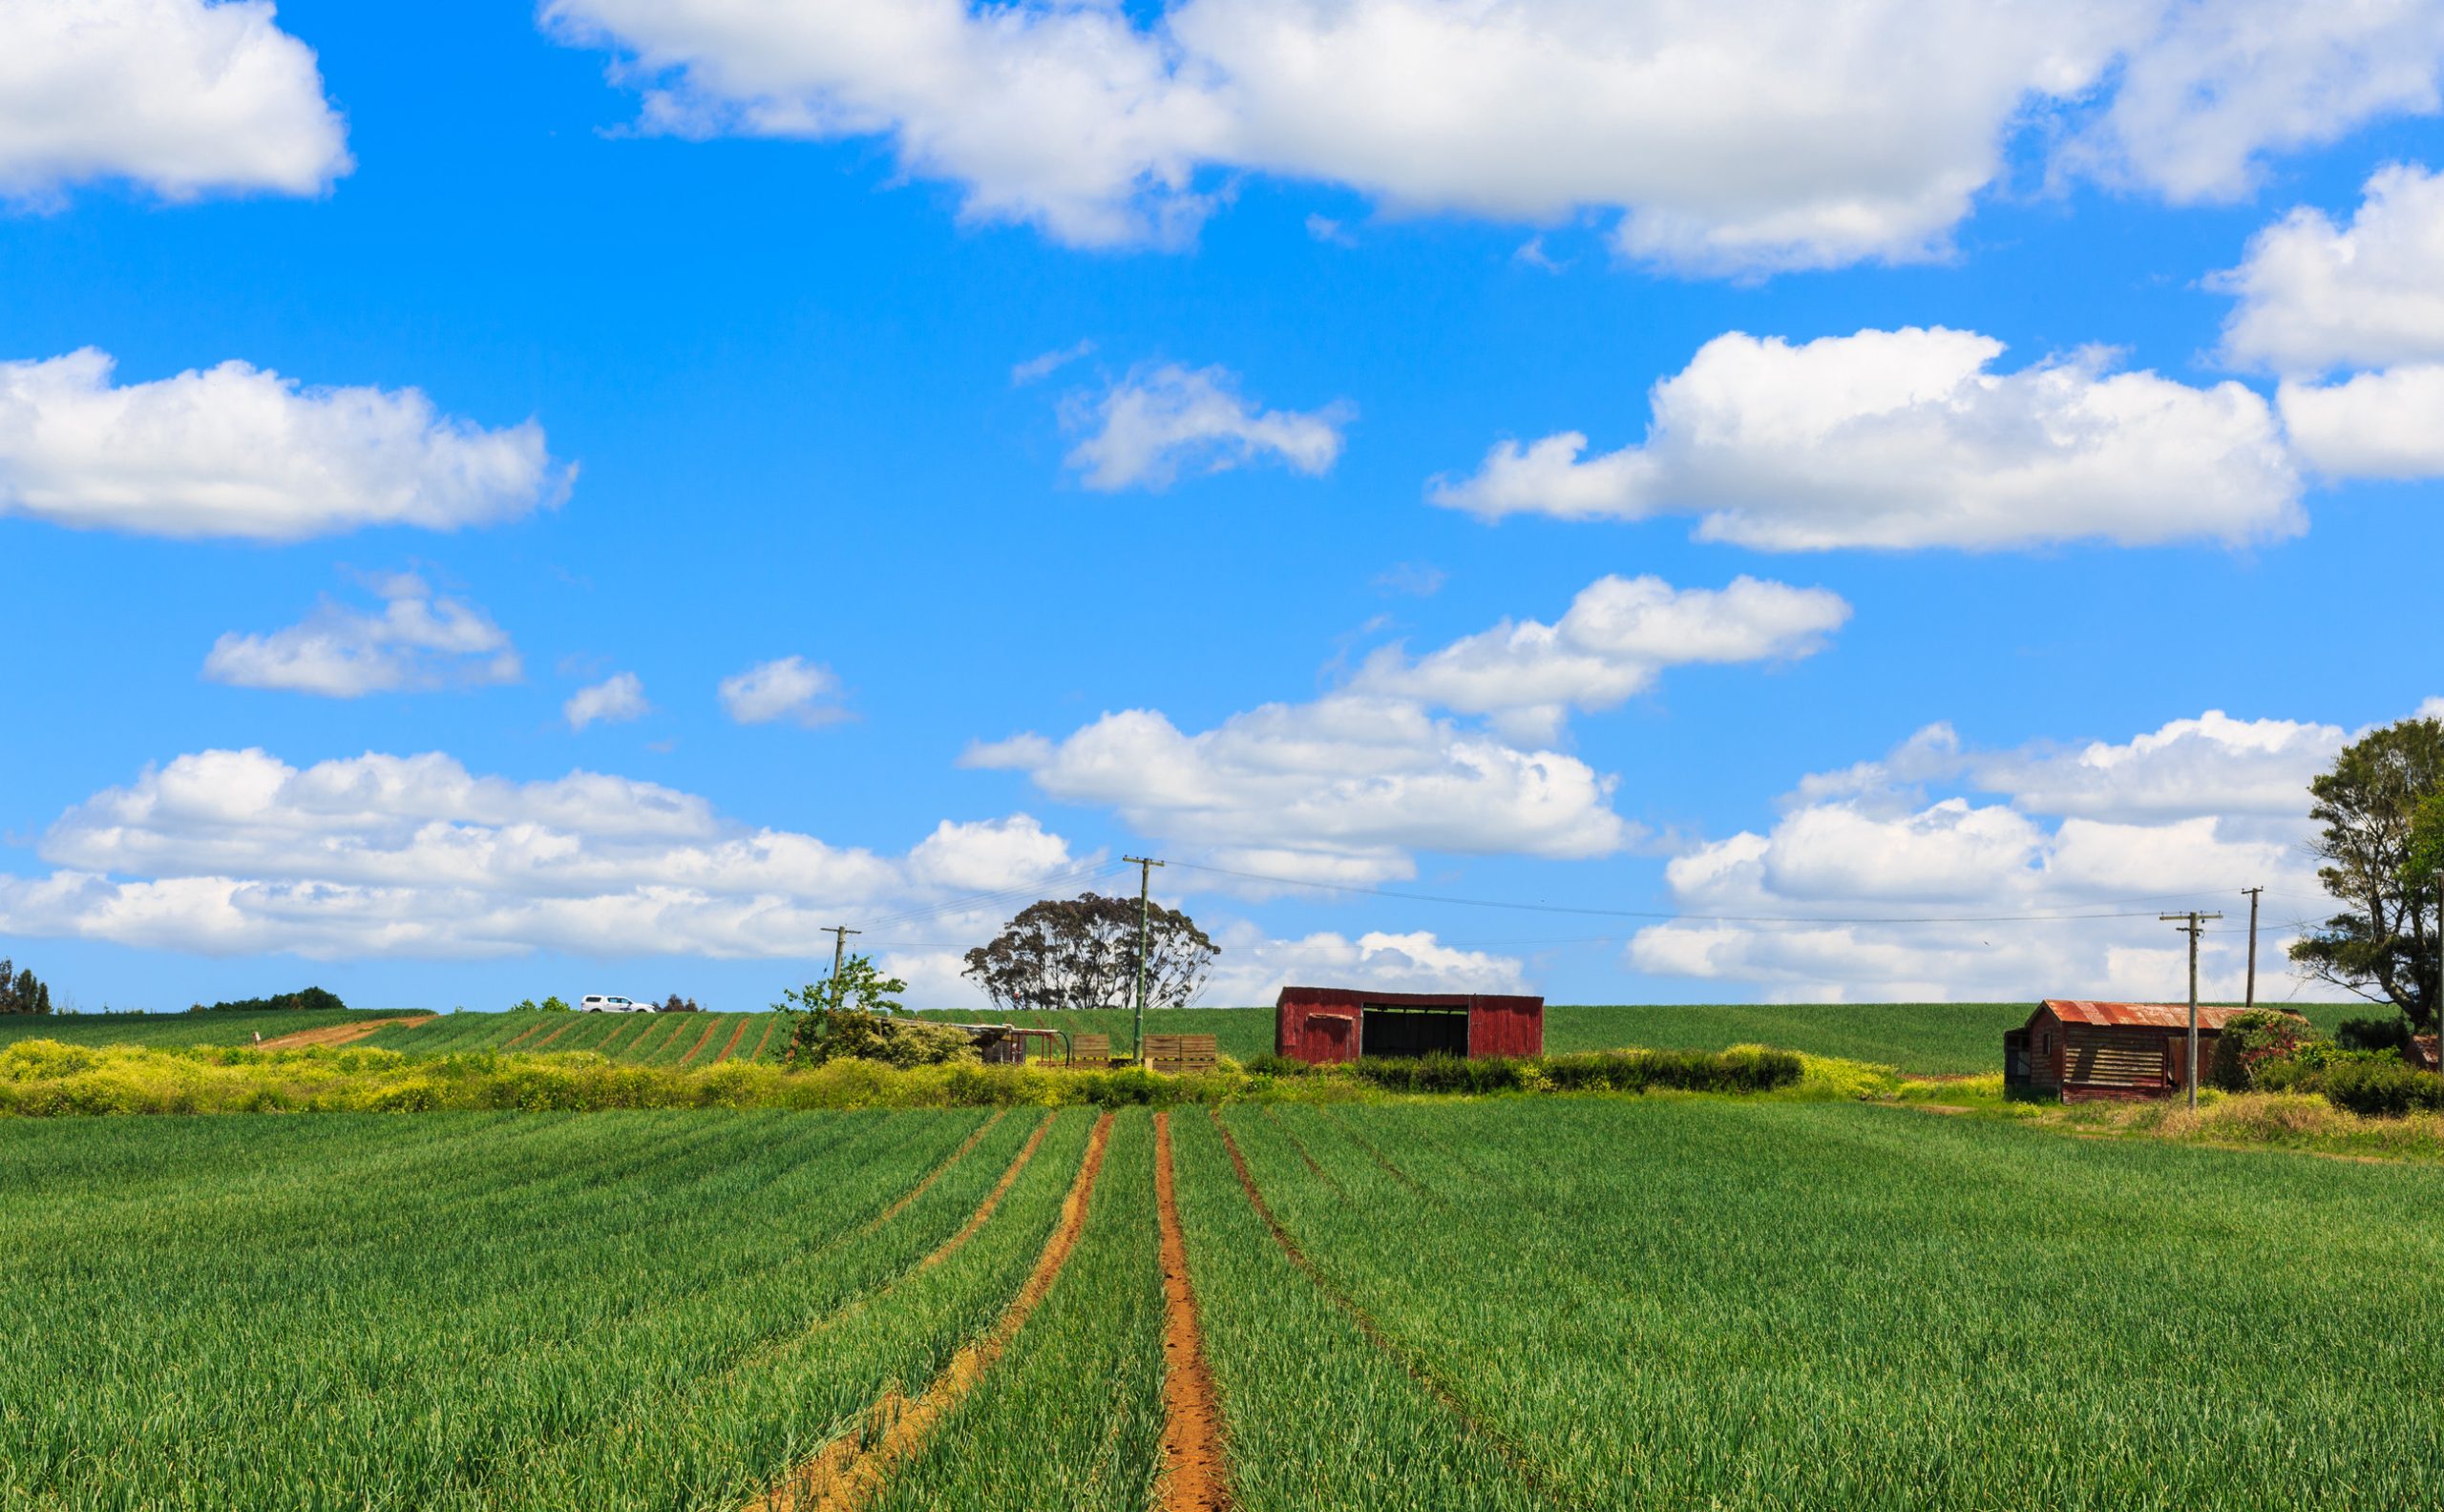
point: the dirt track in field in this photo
(339, 1034)
(846, 1475)
(1507, 1452)
(737, 1032)
(522, 1035)
(763, 1038)
(573, 1020)
(992, 1199)
(1196, 1476)
(701, 1040)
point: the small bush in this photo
(2252, 1043)
(2390, 1035)
(1280, 1066)
(2379, 1086)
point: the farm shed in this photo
(2075, 1050)
(1323, 1024)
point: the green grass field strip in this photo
(737, 1032)
(674, 1047)
(1794, 1305)
(848, 1473)
(168, 1030)
(636, 1048)
(1072, 1416)
(557, 1033)
(310, 1340)
(690, 1293)
(1470, 1418)
(1313, 1169)
(606, 1044)
(726, 1443)
(770, 1021)
(851, 1271)
(1316, 1417)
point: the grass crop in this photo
(1708, 1302)
(1073, 1416)
(176, 1028)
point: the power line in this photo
(1697, 919)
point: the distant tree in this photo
(314, 999)
(21, 991)
(679, 1004)
(2382, 842)
(848, 1014)
(554, 1005)
(1081, 953)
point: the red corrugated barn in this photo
(1323, 1024)
(2078, 1051)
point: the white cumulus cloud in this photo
(616, 699)
(236, 851)
(790, 688)
(417, 642)
(2092, 839)
(2314, 296)
(1346, 788)
(1908, 438)
(1716, 137)
(1252, 969)
(183, 96)
(1145, 430)
(236, 451)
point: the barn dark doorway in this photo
(1406, 1031)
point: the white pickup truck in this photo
(603, 1002)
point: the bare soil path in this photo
(1196, 1476)
(846, 1475)
(340, 1034)
(574, 1022)
(736, 1033)
(701, 1040)
(757, 1054)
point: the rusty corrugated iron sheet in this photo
(2137, 1015)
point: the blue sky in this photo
(738, 283)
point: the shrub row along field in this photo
(1515, 1304)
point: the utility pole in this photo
(2438, 1014)
(839, 933)
(1137, 1034)
(2251, 1000)
(2191, 924)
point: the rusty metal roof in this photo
(2138, 1016)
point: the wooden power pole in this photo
(2251, 1000)
(839, 933)
(1137, 1032)
(2192, 924)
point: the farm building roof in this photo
(2138, 1016)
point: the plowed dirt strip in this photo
(340, 1034)
(935, 1174)
(574, 1022)
(1493, 1438)
(736, 1032)
(701, 1040)
(613, 1037)
(645, 1038)
(523, 1035)
(757, 1054)
(846, 1475)
(1196, 1476)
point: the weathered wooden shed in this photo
(2075, 1050)
(1324, 1024)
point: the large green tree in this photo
(1081, 953)
(2382, 842)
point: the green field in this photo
(1512, 1304)
(176, 1028)
(1920, 1039)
